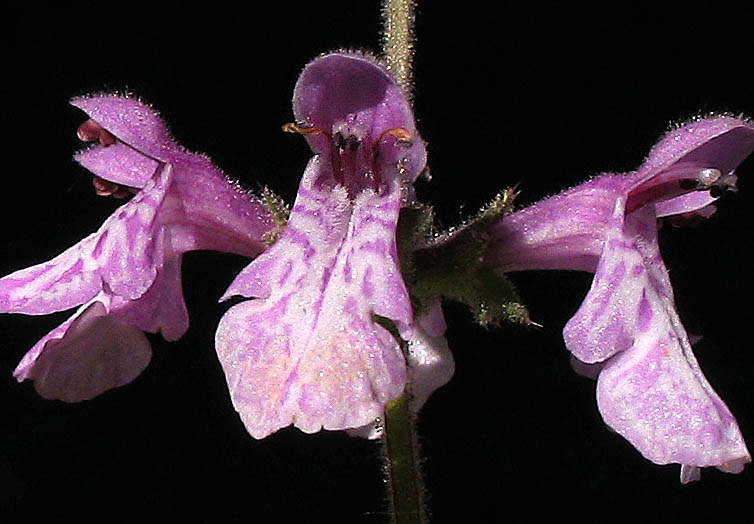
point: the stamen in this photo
(400, 133)
(90, 131)
(301, 128)
(353, 143)
(679, 179)
(403, 136)
(340, 142)
(106, 188)
(692, 177)
(707, 177)
(711, 180)
(725, 185)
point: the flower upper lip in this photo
(356, 126)
(717, 143)
(132, 122)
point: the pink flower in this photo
(312, 349)
(650, 388)
(125, 277)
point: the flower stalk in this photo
(401, 457)
(398, 41)
(399, 436)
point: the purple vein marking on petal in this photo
(287, 269)
(390, 207)
(371, 219)
(617, 275)
(134, 231)
(658, 286)
(614, 336)
(326, 274)
(348, 270)
(378, 247)
(101, 242)
(645, 313)
(292, 378)
(314, 214)
(350, 307)
(367, 284)
(621, 243)
(314, 197)
(274, 310)
(70, 274)
(606, 295)
(297, 237)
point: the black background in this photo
(543, 98)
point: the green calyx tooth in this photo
(279, 211)
(449, 263)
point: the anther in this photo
(106, 188)
(727, 183)
(91, 131)
(404, 138)
(712, 180)
(707, 177)
(301, 128)
(400, 133)
(340, 142)
(353, 143)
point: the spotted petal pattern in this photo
(124, 256)
(627, 331)
(308, 351)
(126, 276)
(652, 391)
(320, 346)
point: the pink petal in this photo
(608, 318)
(430, 362)
(86, 356)
(651, 391)
(56, 285)
(720, 143)
(124, 254)
(308, 351)
(162, 309)
(119, 163)
(232, 220)
(353, 90)
(717, 142)
(566, 231)
(656, 397)
(684, 204)
(132, 122)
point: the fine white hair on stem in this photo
(398, 41)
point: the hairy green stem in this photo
(402, 461)
(399, 435)
(398, 41)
